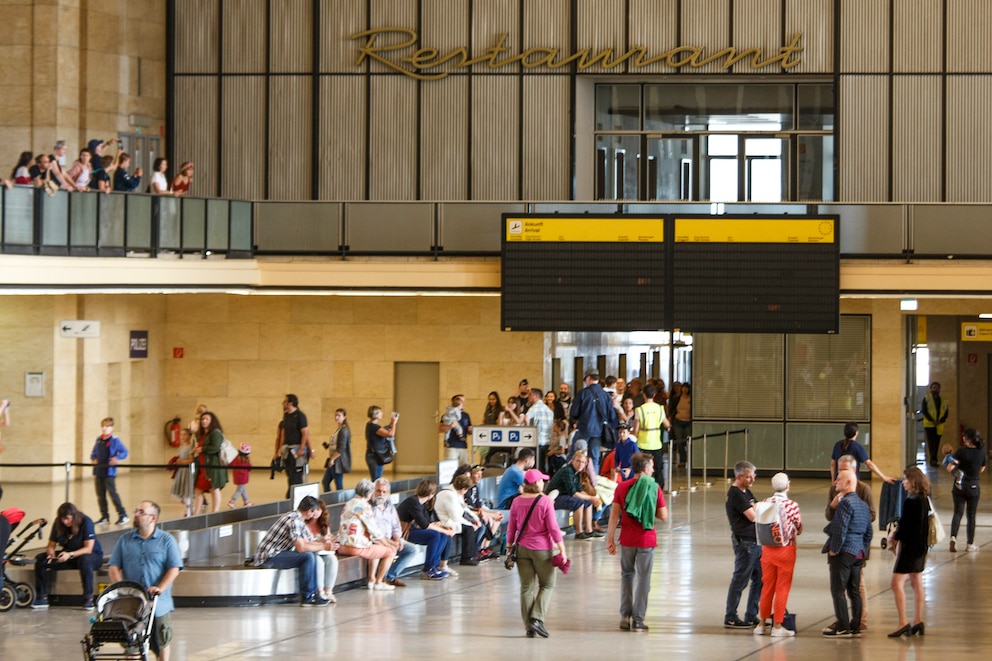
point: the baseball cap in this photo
(533, 475)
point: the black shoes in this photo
(904, 631)
(738, 624)
(103, 519)
(538, 627)
(837, 633)
(639, 627)
(918, 629)
(625, 624)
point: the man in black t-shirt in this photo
(294, 441)
(747, 551)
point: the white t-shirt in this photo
(159, 182)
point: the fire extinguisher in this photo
(173, 432)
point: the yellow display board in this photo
(757, 230)
(598, 230)
(976, 331)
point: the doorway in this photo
(417, 394)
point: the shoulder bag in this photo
(935, 530)
(511, 552)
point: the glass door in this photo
(670, 169)
(766, 168)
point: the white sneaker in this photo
(371, 585)
(384, 586)
(759, 630)
(971, 547)
(451, 572)
(782, 632)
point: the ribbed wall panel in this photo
(916, 139)
(757, 24)
(495, 138)
(291, 33)
(445, 27)
(814, 19)
(393, 13)
(444, 140)
(243, 150)
(864, 161)
(290, 138)
(601, 25)
(197, 23)
(547, 168)
(196, 139)
(491, 18)
(969, 26)
(917, 40)
(969, 138)
(244, 36)
(706, 24)
(341, 144)
(864, 36)
(546, 24)
(339, 19)
(393, 138)
(653, 25)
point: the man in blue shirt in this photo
(591, 410)
(513, 478)
(850, 534)
(151, 558)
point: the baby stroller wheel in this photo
(7, 598)
(24, 594)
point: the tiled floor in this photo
(478, 613)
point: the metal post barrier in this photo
(726, 453)
(688, 464)
(745, 446)
(705, 461)
(68, 471)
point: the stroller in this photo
(125, 616)
(16, 593)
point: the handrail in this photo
(135, 224)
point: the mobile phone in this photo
(395, 415)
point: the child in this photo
(241, 474)
(107, 451)
(180, 479)
(948, 460)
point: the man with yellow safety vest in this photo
(651, 419)
(934, 409)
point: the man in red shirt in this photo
(639, 501)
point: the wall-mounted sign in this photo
(139, 344)
(34, 384)
(383, 46)
(77, 328)
(976, 331)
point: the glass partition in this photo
(218, 220)
(194, 223)
(139, 222)
(18, 216)
(82, 220)
(168, 222)
(111, 221)
(55, 220)
(241, 226)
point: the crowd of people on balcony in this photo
(95, 170)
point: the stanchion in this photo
(726, 454)
(688, 465)
(68, 471)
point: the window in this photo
(719, 143)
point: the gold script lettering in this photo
(419, 64)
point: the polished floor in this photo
(478, 613)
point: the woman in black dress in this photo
(970, 459)
(911, 550)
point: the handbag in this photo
(383, 457)
(511, 552)
(228, 452)
(789, 621)
(935, 530)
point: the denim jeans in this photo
(306, 565)
(402, 560)
(747, 567)
(438, 545)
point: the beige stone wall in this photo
(241, 354)
(76, 70)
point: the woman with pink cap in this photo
(533, 530)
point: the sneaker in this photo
(121, 521)
(473, 562)
(971, 547)
(954, 548)
(89, 604)
(249, 504)
(231, 504)
(759, 630)
(596, 533)
(103, 519)
(782, 632)
(583, 535)
(314, 600)
(625, 624)
(837, 633)
(434, 574)
(736, 624)
(40, 602)
(371, 585)
(449, 571)
(638, 627)
(855, 633)
(384, 587)
(832, 627)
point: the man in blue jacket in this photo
(591, 410)
(850, 534)
(107, 451)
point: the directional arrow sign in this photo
(79, 328)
